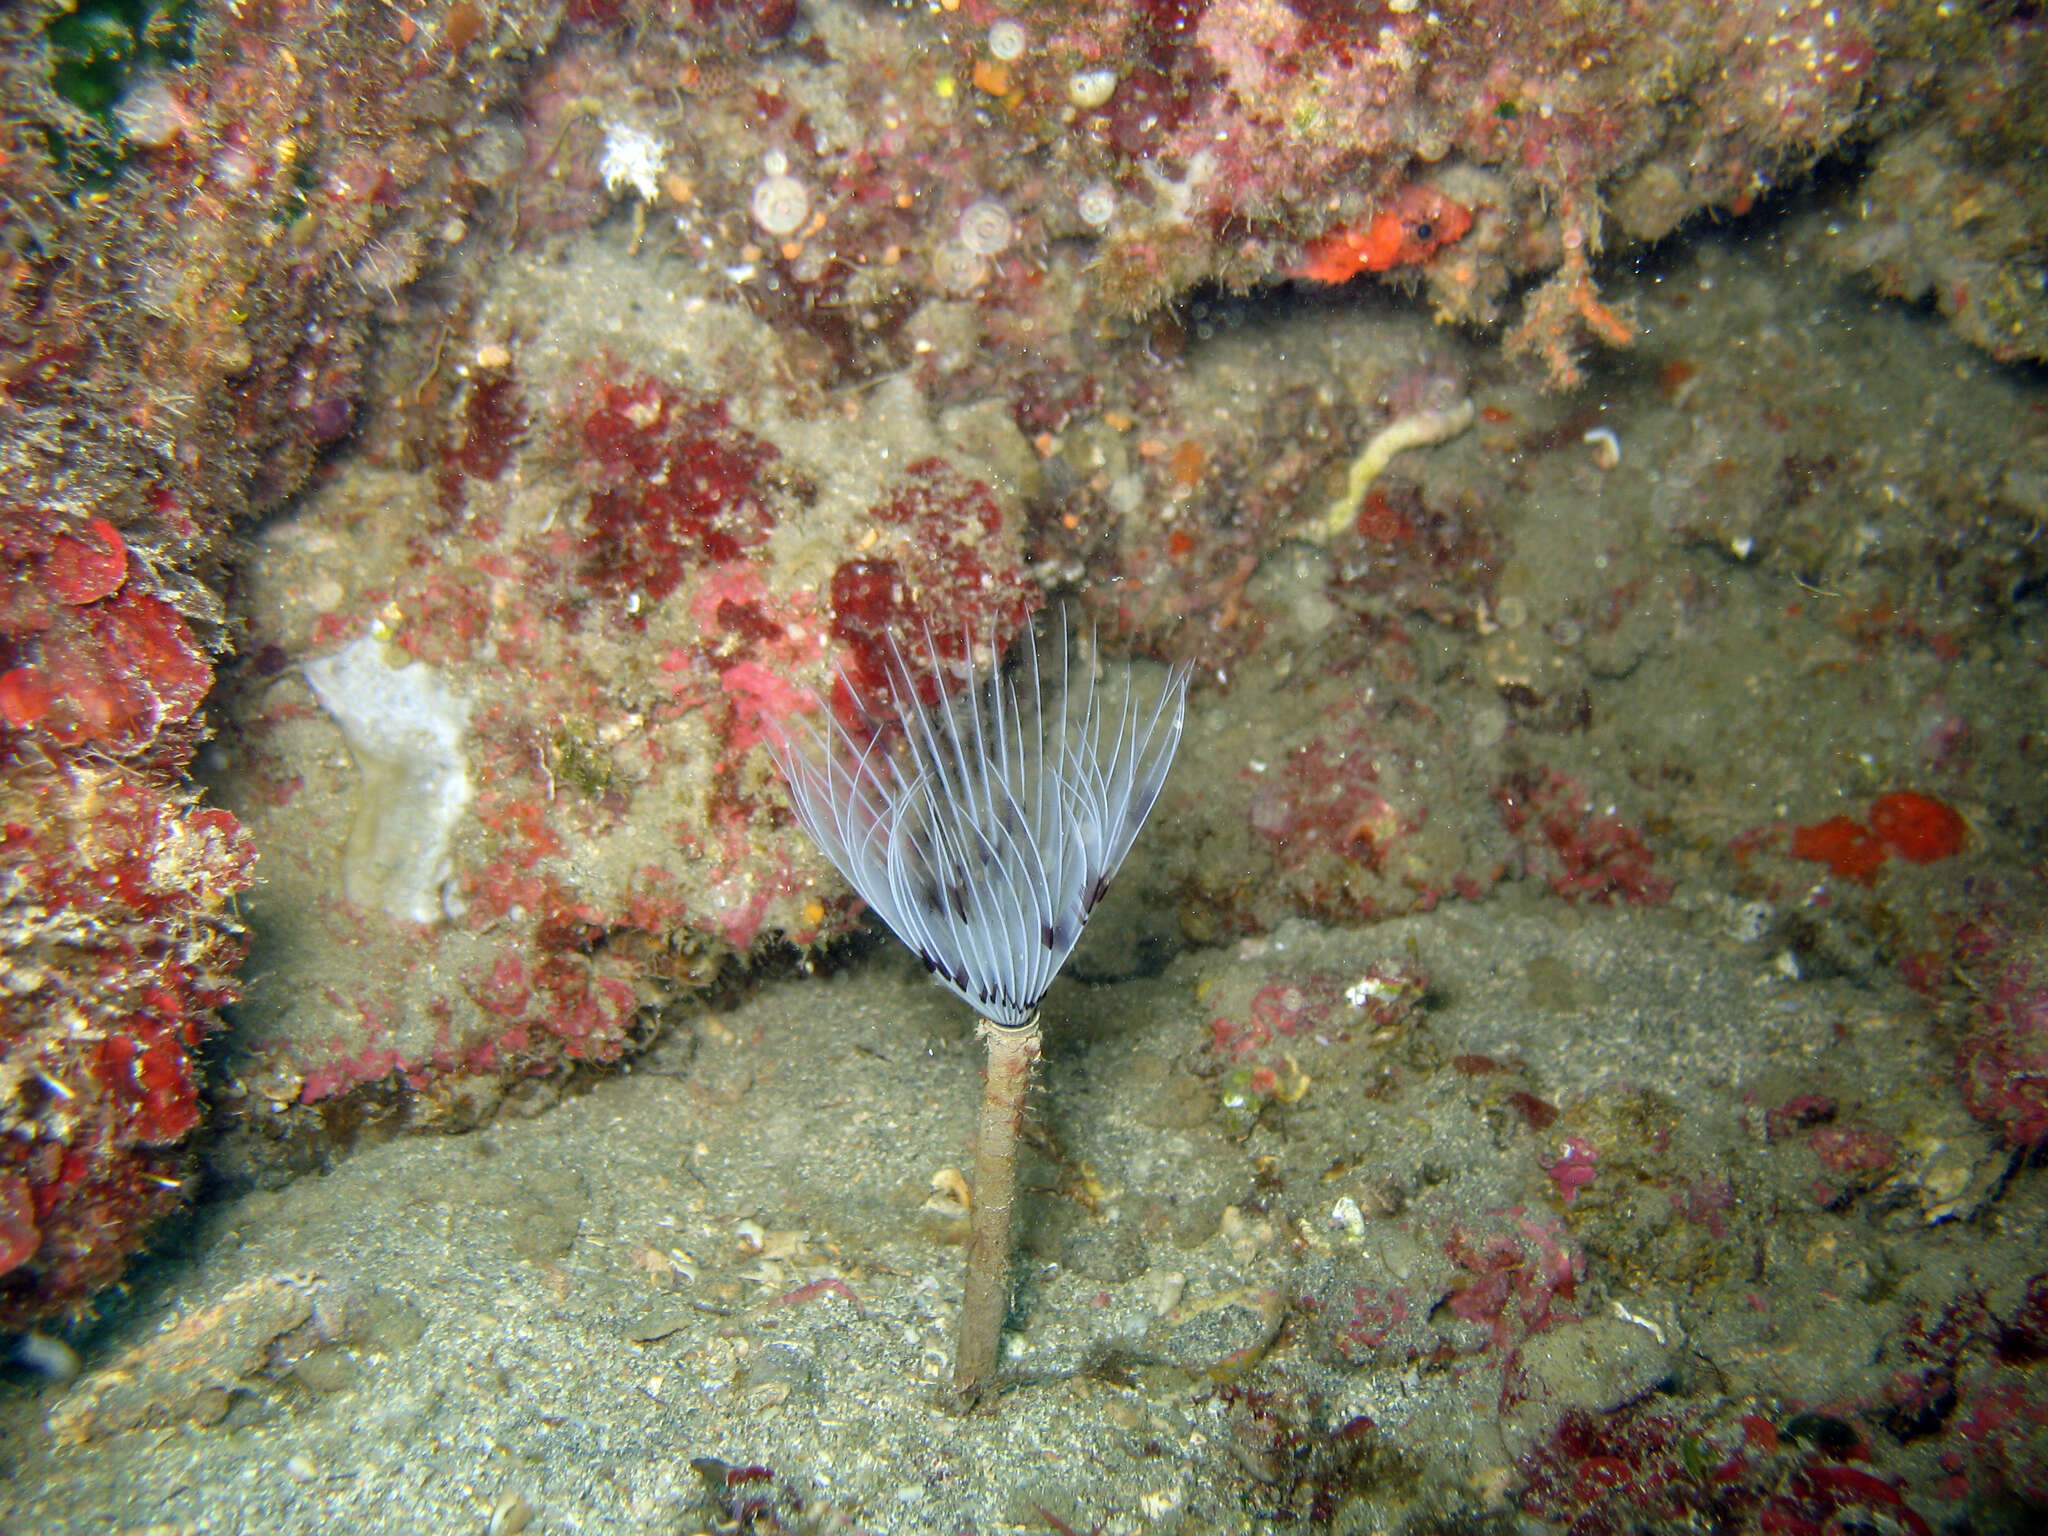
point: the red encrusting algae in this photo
(122, 943)
(1917, 828)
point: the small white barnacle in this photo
(957, 270)
(986, 228)
(1091, 88)
(781, 203)
(1006, 40)
(1096, 204)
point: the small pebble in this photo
(1605, 445)
(509, 1516)
(50, 1358)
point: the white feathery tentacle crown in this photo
(984, 828)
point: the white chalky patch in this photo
(404, 727)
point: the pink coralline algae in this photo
(1325, 802)
(1971, 1372)
(1376, 1319)
(1518, 1274)
(156, 386)
(1853, 1158)
(677, 486)
(621, 657)
(1488, 1283)
(1646, 1467)
(1585, 856)
(1281, 1011)
(2002, 1063)
(1573, 1168)
(927, 572)
(1287, 1020)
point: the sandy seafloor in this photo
(567, 1309)
(741, 1248)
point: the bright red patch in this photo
(24, 696)
(1845, 846)
(85, 567)
(1409, 227)
(1918, 828)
